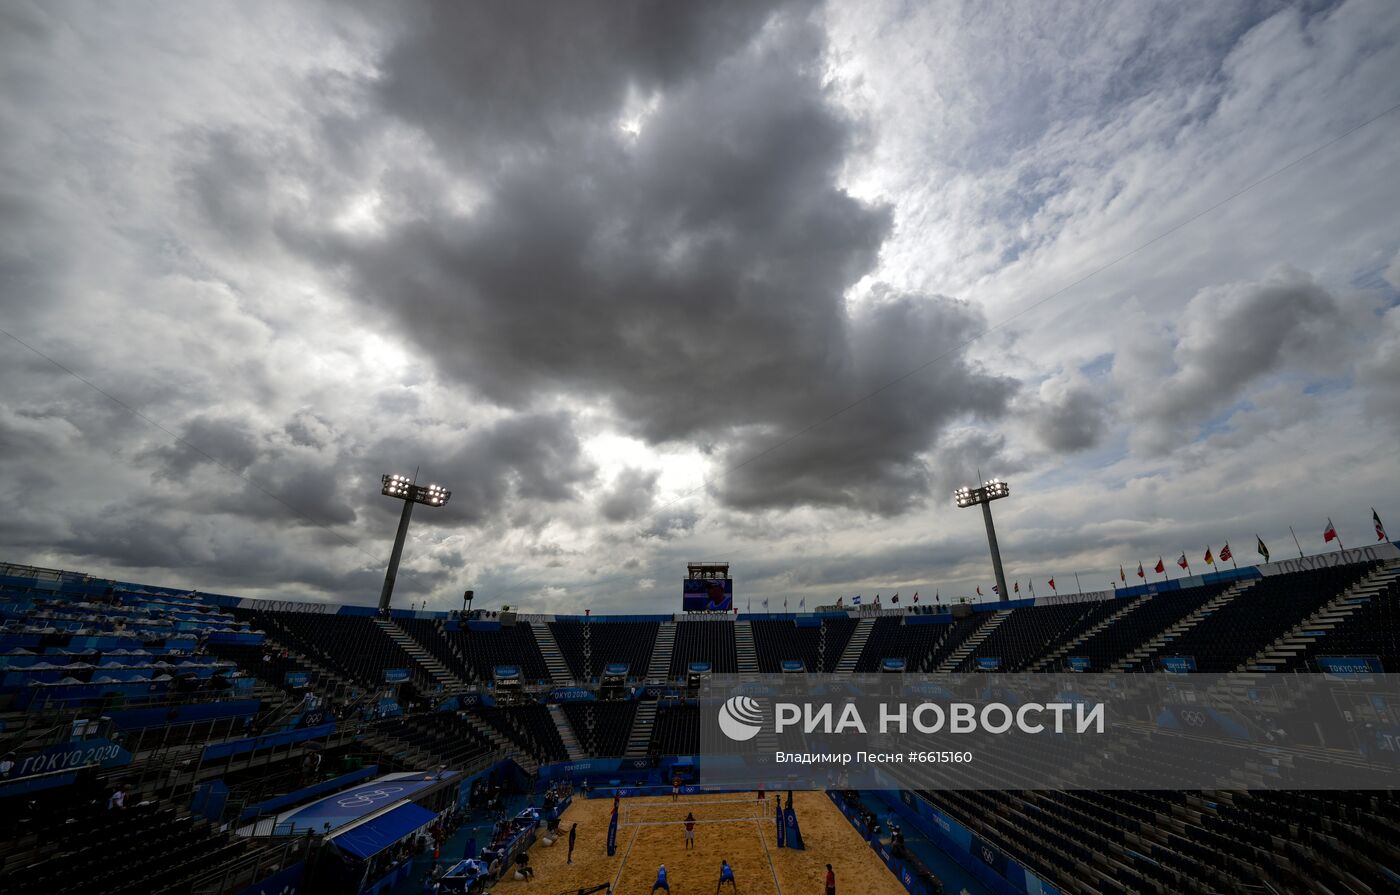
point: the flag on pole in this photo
(1141, 573)
(1330, 533)
(995, 589)
(1210, 560)
(1263, 550)
(1380, 529)
(1016, 586)
(1161, 567)
(1052, 585)
(855, 601)
(765, 602)
(895, 598)
(979, 590)
(1121, 575)
(802, 603)
(1182, 562)
(916, 596)
(1225, 552)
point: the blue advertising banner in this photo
(298, 678)
(988, 663)
(793, 831)
(892, 664)
(1357, 669)
(571, 694)
(395, 675)
(612, 832)
(778, 819)
(1178, 664)
(988, 854)
(64, 756)
(791, 666)
(616, 668)
(1079, 663)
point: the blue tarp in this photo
(373, 836)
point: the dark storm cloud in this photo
(1072, 420)
(502, 73)
(629, 496)
(490, 468)
(693, 275)
(875, 455)
(228, 442)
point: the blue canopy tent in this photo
(368, 839)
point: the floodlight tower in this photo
(401, 487)
(995, 489)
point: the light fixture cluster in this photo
(402, 487)
(992, 489)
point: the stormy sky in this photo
(645, 283)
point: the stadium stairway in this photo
(659, 669)
(439, 672)
(1047, 663)
(744, 648)
(559, 673)
(643, 725)
(855, 646)
(965, 649)
(1310, 635)
(1135, 658)
(566, 733)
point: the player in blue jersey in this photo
(726, 875)
(661, 882)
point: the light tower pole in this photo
(992, 490)
(401, 487)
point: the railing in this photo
(251, 868)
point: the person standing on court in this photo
(830, 881)
(690, 830)
(675, 787)
(661, 881)
(726, 875)
(573, 833)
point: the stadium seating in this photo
(704, 641)
(602, 727)
(819, 647)
(351, 645)
(589, 647)
(1028, 633)
(184, 673)
(1257, 616)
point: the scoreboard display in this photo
(707, 595)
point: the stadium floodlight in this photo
(402, 487)
(994, 489)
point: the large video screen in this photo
(708, 595)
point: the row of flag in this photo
(1210, 558)
(1329, 534)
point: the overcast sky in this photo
(649, 283)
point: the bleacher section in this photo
(1256, 617)
(818, 646)
(350, 645)
(1154, 615)
(1029, 633)
(602, 727)
(589, 647)
(704, 641)
(201, 694)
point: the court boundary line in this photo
(622, 865)
(763, 838)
